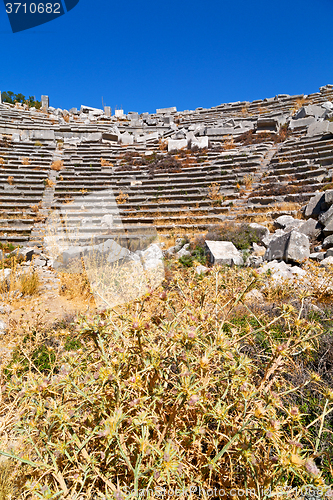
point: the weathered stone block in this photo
(298, 249)
(174, 144)
(284, 221)
(277, 248)
(93, 111)
(328, 229)
(126, 138)
(301, 123)
(46, 135)
(325, 217)
(261, 231)
(109, 136)
(328, 262)
(320, 128)
(200, 142)
(166, 110)
(310, 228)
(317, 256)
(328, 199)
(224, 252)
(311, 110)
(313, 208)
(290, 247)
(328, 242)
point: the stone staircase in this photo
(223, 182)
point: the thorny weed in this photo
(165, 393)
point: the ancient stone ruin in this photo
(259, 161)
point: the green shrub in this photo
(186, 260)
(72, 344)
(200, 254)
(242, 236)
(43, 359)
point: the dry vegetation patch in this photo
(188, 386)
(57, 165)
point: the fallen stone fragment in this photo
(329, 253)
(224, 252)
(327, 216)
(5, 309)
(281, 270)
(298, 249)
(260, 230)
(271, 237)
(284, 220)
(151, 257)
(313, 208)
(328, 199)
(4, 274)
(3, 327)
(258, 250)
(310, 228)
(184, 252)
(201, 269)
(254, 296)
(317, 256)
(39, 262)
(328, 229)
(254, 261)
(290, 247)
(276, 249)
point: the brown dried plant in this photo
(121, 198)
(57, 165)
(105, 163)
(190, 386)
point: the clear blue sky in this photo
(143, 55)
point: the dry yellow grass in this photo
(25, 161)
(121, 198)
(233, 404)
(301, 101)
(229, 143)
(105, 163)
(30, 283)
(10, 180)
(57, 165)
(48, 183)
(162, 145)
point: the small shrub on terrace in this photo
(229, 144)
(105, 163)
(57, 165)
(121, 198)
(242, 236)
(326, 187)
(48, 183)
(200, 254)
(10, 180)
(25, 161)
(214, 191)
(74, 286)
